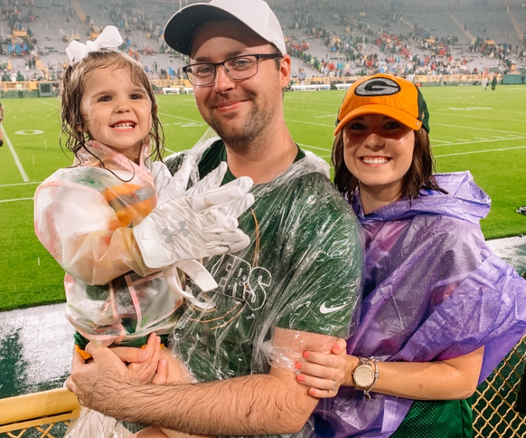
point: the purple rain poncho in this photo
(433, 290)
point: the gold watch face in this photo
(363, 376)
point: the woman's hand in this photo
(325, 373)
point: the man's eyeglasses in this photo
(237, 68)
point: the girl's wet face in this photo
(378, 151)
(116, 111)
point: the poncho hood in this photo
(463, 200)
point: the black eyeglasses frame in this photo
(258, 56)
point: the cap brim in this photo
(397, 114)
(181, 27)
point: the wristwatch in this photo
(366, 375)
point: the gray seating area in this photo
(460, 20)
(57, 21)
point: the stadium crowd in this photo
(334, 39)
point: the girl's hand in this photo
(324, 373)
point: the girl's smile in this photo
(116, 111)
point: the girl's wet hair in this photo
(73, 84)
(418, 177)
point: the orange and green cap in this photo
(387, 95)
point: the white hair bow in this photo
(110, 38)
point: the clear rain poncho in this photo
(433, 290)
(84, 216)
(302, 271)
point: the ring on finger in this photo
(333, 386)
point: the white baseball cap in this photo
(255, 14)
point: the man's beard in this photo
(241, 138)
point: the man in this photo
(294, 288)
(19, 89)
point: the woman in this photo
(440, 310)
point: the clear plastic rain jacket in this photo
(433, 290)
(302, 271)
(84, 216)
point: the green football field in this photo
(471, 129)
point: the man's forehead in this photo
(232, 33)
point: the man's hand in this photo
(144, 363)
(143, 368)
(96, 383)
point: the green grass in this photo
(471, 129)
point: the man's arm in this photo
(248, 405)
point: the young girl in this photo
(440, 310)
(97, 217)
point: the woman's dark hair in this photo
(73, 84)
(418, 177)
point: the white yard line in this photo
(47, 103)
(480, 152)
(313, 147)
(187, 103)
(310, 123)
(20, 184)
(478, 141)
(14, 200)
(441, 141)
(479, 129)
(15, 156)
(314, 111)
(200, 122)
(477, 117)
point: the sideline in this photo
(15, 156)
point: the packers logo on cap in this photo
(388, 95)
(377, 87)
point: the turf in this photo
(471, 129)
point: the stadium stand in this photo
(327, 40)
